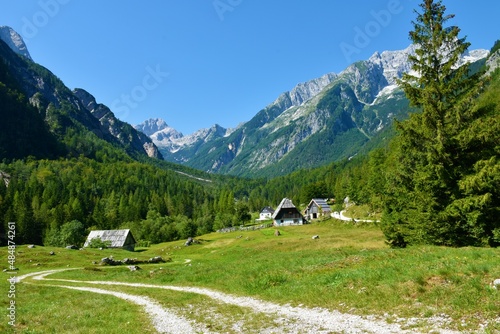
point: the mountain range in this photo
(326, 119)
(334, 117)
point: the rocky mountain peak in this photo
(393, 63)
(306, 90)
(303, 91)
(152, 125)
(14, 41)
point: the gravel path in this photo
(340, 216)
(291, 319)
(163, 320)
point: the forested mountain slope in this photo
(32, 95)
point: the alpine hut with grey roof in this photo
(287, 214)
(115, 238)
(266, 213)
(317, 208)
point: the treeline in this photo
(46, 198)
(157, 204)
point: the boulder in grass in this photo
(134, 268)
(110, 261)
(156, 259)
(129, 261)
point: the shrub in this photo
(98, 243)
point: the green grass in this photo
(362, 212)
(349, 268)
(43, 309)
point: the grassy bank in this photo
(349, 268)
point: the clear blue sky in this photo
(195, 63)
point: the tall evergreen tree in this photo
(429, 158)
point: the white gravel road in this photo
(290, 319)
(163, 320)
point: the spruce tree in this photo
(426, 199)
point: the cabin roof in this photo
(118, 238)
(320, 203)
(267, 209)
(286, 203)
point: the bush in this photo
(98, 243)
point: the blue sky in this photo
(195, 63)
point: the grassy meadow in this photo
(349, 268)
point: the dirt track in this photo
(288, 319)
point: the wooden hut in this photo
(317, 208)
(287, 214)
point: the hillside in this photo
(348, 280)
(74, 120)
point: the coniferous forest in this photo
(436, 182)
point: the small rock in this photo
(189, 241)
(110, 261)
(52, 253)
(277, 233)
(71, 247)
(156, 259)
(496, 284)
(315, 237)
(133, 268)
(31, 246)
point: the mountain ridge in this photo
(68, 116)
(344, 111)
(14, 41)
